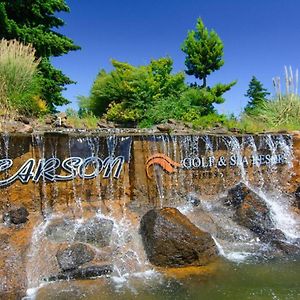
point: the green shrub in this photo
(19, 80)
(118, 112)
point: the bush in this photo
(19, 80)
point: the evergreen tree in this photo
(32, 21)
(204, 52)
(257, 95)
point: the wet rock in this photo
(193, 199)
(73, 256)
(171, 240)
(16, 216)
(95, 231)
(272, 235)
(251, 210)
(83, 273)
(297, 198)
(286, 248)
(61, 230)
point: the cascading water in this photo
(113, 180)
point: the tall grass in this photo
(19, 79)
(280, 113)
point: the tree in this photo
(204, 52)
(32, 21)
(127, 92)
(257, 95)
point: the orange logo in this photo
(162, 160)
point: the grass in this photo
(281, 113)
(87, 120)
(19, 79)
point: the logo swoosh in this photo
(164, 161)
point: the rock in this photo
(251, 210)
(171, 240)
(235, 130)
(102, 125)
(61, 230)
(61, 115)
(286, 248)
(73, 256)
(165, 127)
(272, 235)
(16, 216)
(174, 122)
(297, 198)
(193, 199)
(219, 130)
(49, 120)
(24, 120)
(95, 231)
(83, 273)
(25, 129)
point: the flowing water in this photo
(264, 281)
(209, 166)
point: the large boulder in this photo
(250, 209)
(73, 256)
(16, 216)
(95, 231)
(171, 240)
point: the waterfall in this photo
(71, 183)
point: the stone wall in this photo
(136, 171)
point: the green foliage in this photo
(209, 121)
(151, 94)
(204, 52)
(127, 92)
(19, 80)
(85, 120)
(280, 113)
(257, 95)
(32, 21)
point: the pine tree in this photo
(204, 52)
(257, 95)
(32, 21)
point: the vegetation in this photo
(20, 83)
(85, 120)
(204, 52)
(127, 93)
(257, 95)
(204, 55)
(280, 113)
(135, 95)
(32, 22)
(151, 94)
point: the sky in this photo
(260, 37)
